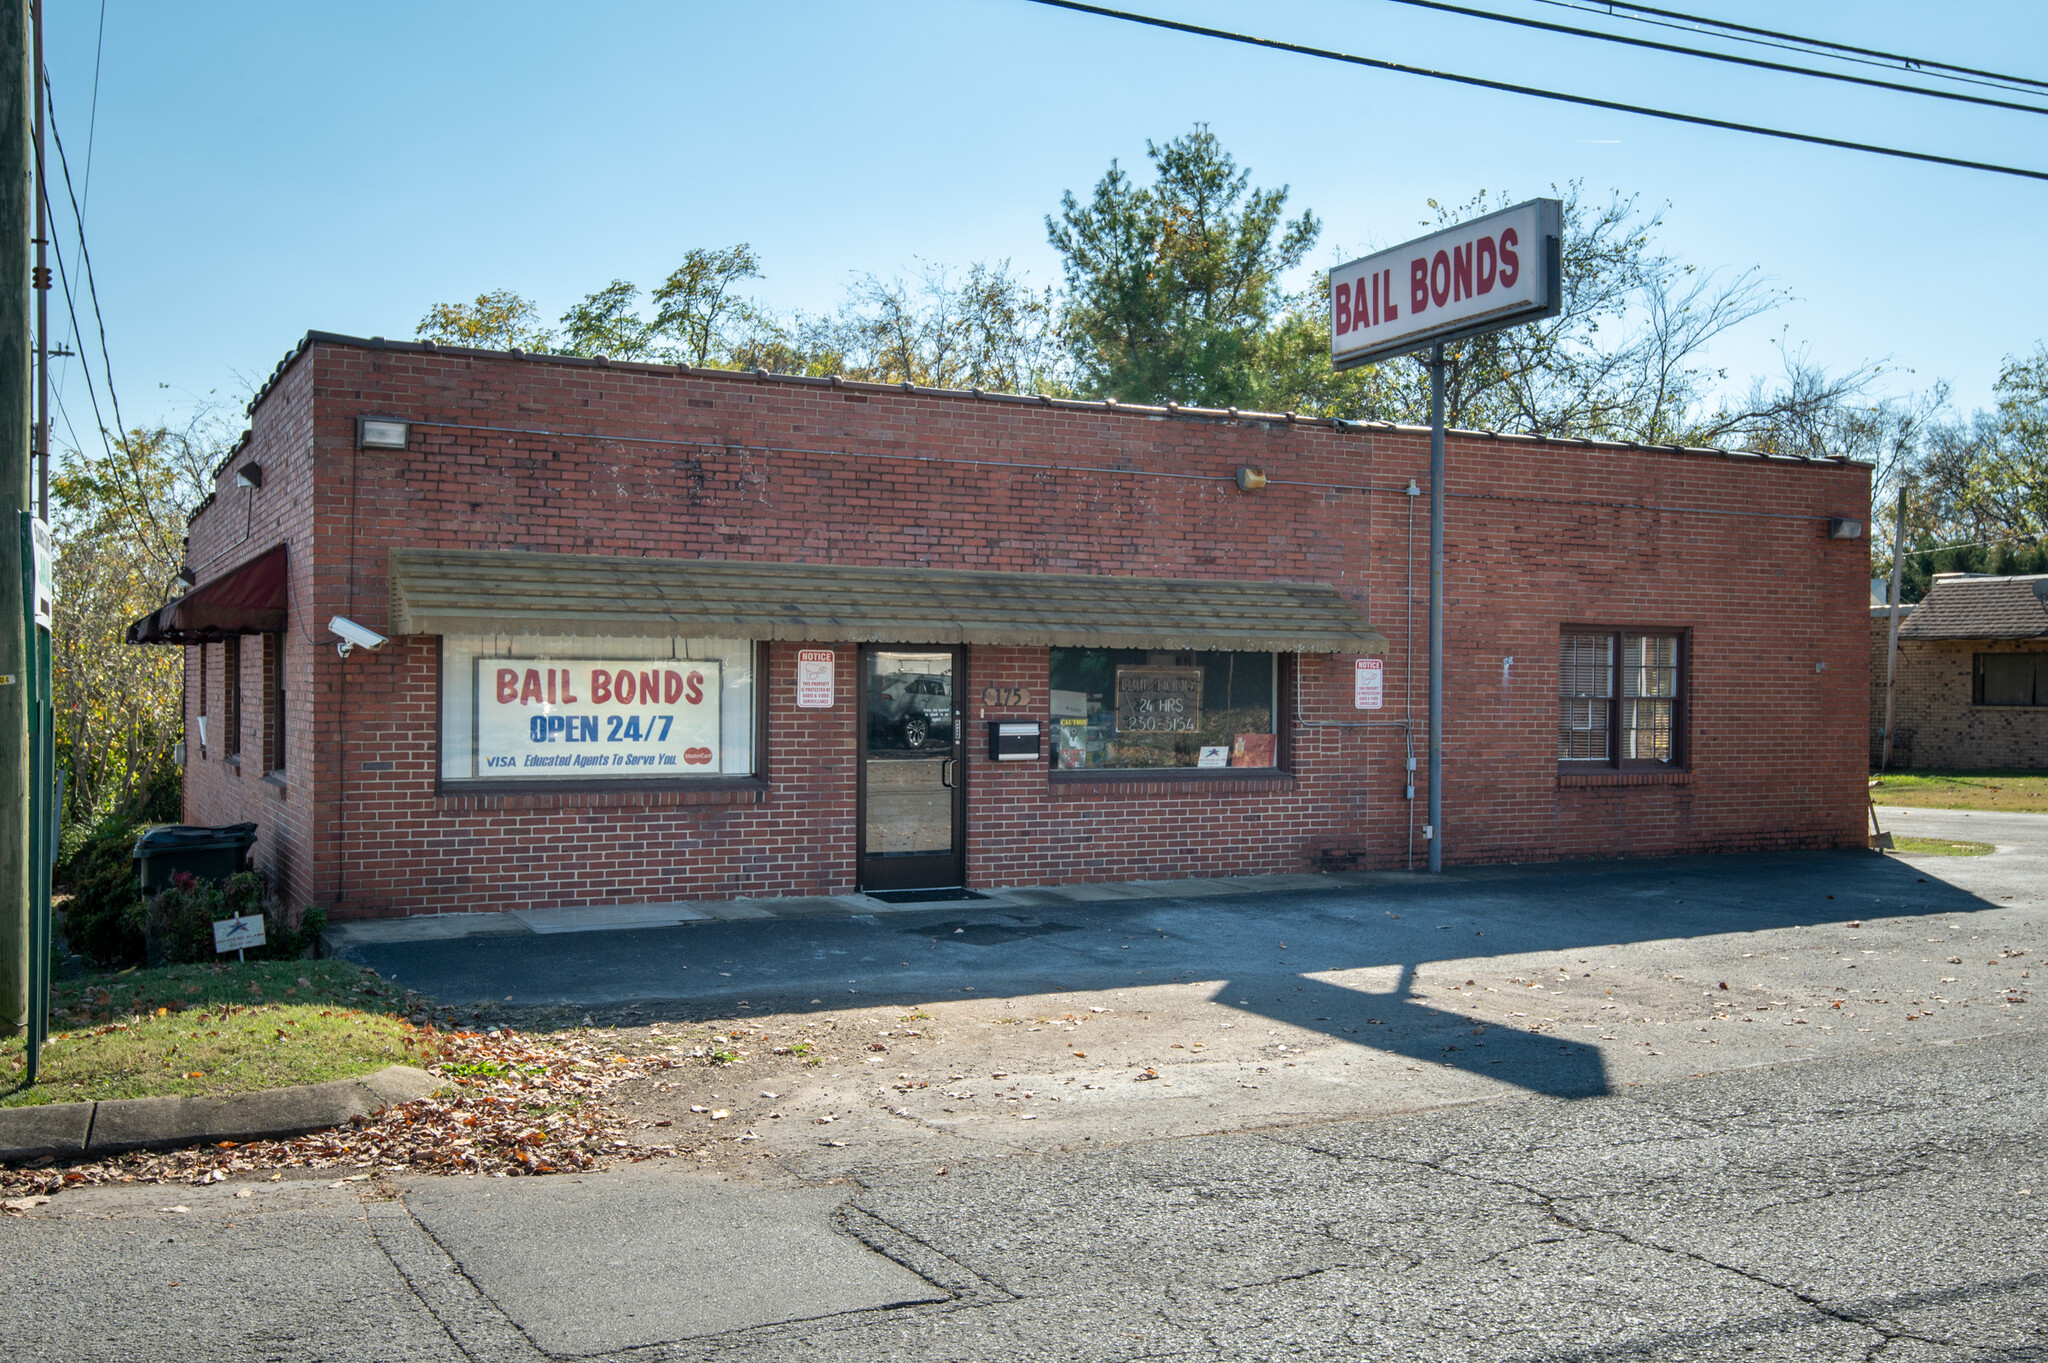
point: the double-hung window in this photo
(1620, 697)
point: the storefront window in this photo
(582, 708)
(1133, 708)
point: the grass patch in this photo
(2012, 791)
(209, 1030)
(1939, 847)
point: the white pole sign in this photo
(1483, 275)
(576, 717)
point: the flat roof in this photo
(1106, 406)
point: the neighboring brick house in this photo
(662, 634)
(1972, 684)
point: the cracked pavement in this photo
(1856, 1187)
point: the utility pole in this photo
(17, 857)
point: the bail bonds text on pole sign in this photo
(1479, 276)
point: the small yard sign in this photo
(237, 934)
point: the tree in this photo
(498, 320)
(119, 520)
(1171, 287)
(1976, 488)
(696, 311)
(608, 322)
(989, 331)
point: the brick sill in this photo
(1070, 785)
(1567, 780)
(583, 796)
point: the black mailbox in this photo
(1013, 740)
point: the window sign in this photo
(814, 673)
(1369, 690)
(1133, 707)
(558, 717)
(1159, 700)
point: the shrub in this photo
(98, 919)
(178, 923)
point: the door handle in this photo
(946, 772)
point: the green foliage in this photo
(498, 320)
(118, 515)
(697, 311)
(177, 922)
(1976, 491)
(99, 917)
(608, 323)
(1172, 286)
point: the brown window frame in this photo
(273, 706)
(1681, 700)
(231, 698)
(1977, 680)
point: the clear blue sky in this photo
(262, 169)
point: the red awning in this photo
(249, 599)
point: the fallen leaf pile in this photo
(519, 1106)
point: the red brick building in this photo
(660, 634)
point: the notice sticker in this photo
(814, 673)
(1368, 687)
(1217, 756)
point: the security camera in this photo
(354, 636)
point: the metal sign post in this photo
(1484, 275)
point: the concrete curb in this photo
(72, 1130)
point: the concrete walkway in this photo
(340, 939)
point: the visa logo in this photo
(500, 762)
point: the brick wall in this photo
(1940, 730)
(588, 459)
(240, 524)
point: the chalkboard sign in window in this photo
(1136, 708)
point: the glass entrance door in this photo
(912, 805)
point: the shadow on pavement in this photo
(1267, 950)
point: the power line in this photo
(71, 306)
(92, 125)
(85, 254)
(1887, 58)
(1698, 120)
(1757, 62)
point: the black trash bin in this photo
(208, 853)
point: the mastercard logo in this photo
(697, 757)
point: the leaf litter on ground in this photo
(515, 1106)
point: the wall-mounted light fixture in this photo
(184, 581)
(381, 433)
(249, 475)
(1842, 528)
(1250, 479)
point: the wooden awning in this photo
(446, 591)
(249, 599)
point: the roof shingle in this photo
(1963, 607)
